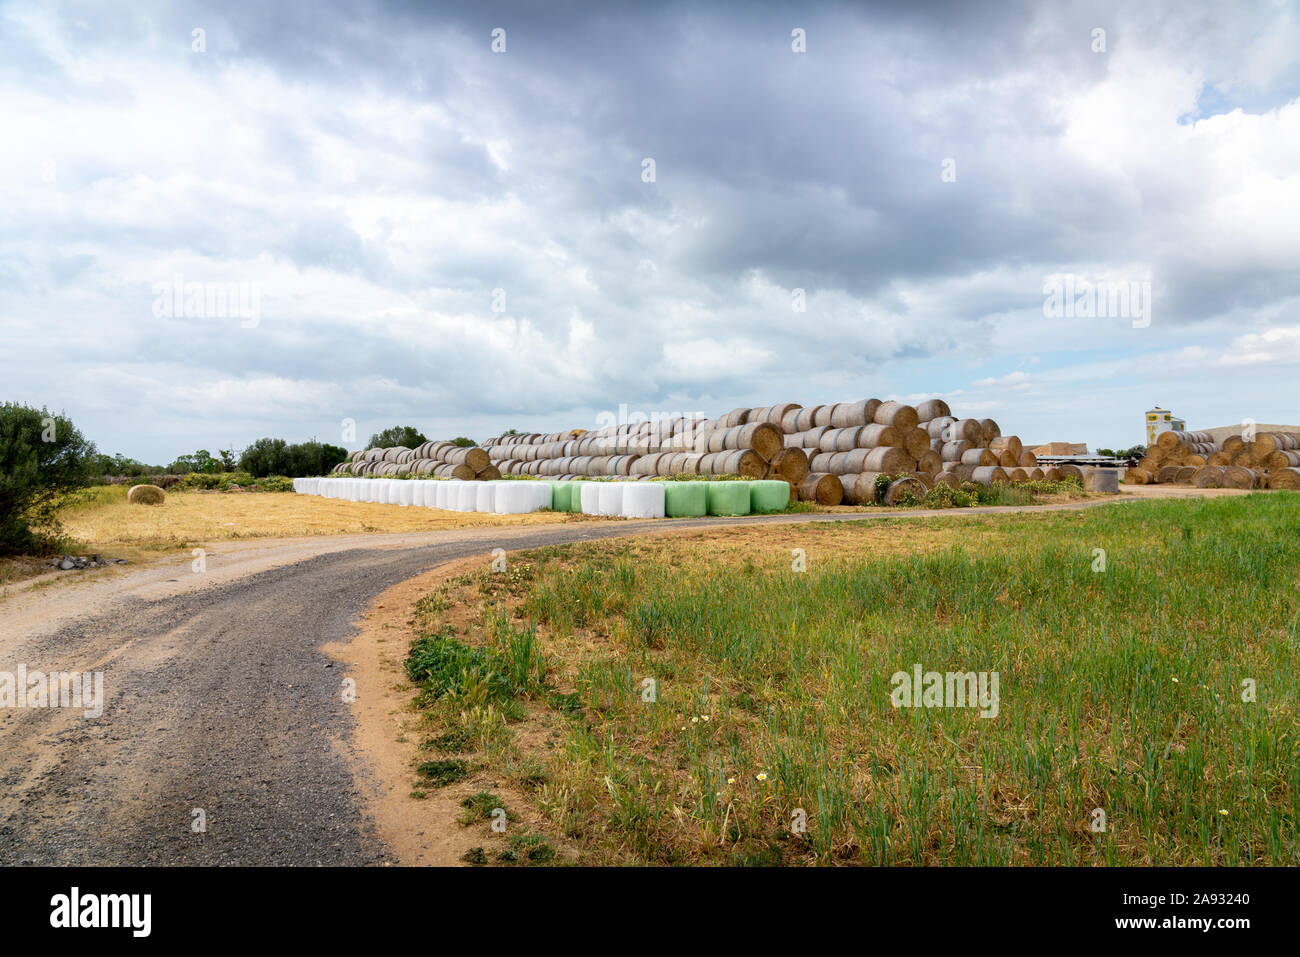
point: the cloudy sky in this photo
(664, 206)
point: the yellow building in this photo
(1162, 420)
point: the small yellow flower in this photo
(761, 776)
(1175, 681)
(694, 720)
(683, 727)
(731, 780)
(1223, 811)
(706, 717)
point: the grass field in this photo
(1126, 690)
(106, 520)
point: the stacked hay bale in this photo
(436, 459)
(1195, 458)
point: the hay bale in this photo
(822, 488)
(897, 414)
(902, 489)
(146, 495)
(932, 409)
(1288, 478)
(1101, 480)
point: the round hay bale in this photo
(924, 478)
(733, 418)
(888, 459)
(1017, 475)
(916, 441)
(939, 428)
(859, 489)
(1007, 443)
(989, 475)
(875, 436)
(953, 451)
(1070, 471)
(1287, 478)
(822, 488)
(968, 429)
(1006, 458)
(897, 414)
(947, 478)
(1207, 476)
(1185, 473)
(1233, 443)
(1167, 473)
(989, 430)
(1027, 460)
(979, 458)
(1234, 476)
(1137, 476)
(763, 437)
(1051, 474)
(1169, 441)
(848, 414)
(929, 462)
(804, 419)
(146, 495)
(932, 409)
(791, 465)
(904, 490)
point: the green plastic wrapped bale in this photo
(575, 496)
(729, 498)
(768, 496)
(686, 499)
(561, 496)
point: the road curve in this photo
(220, 704)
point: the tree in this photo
(407, 436)
(463, 442)
(265, 457)
(274, 457)
(43, 458)
(200, 461)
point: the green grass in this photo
(1120, 689)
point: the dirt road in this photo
(220, 705)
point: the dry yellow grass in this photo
(193, 518)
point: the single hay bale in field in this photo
(146, 495)
(1101, 480)
(932, 409)
(822, 488)
(1288, 478)
(902, 490)
(897, 414)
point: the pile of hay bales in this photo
(436, 459)
(1264, 460)
(829, 454)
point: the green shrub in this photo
(43, 459)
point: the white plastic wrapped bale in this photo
(405, 493)
(394, 495)
(485, 496)
(543, 492)
(466, 497)
(591, 498)
(643, 500)
(610, 502)
(441, 496)
(514, 498)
